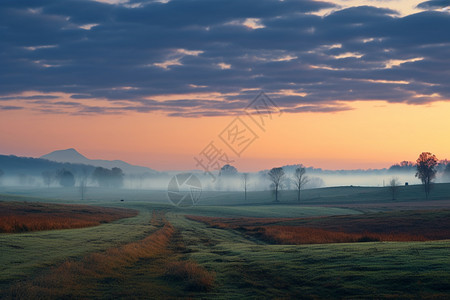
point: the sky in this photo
(351, 84)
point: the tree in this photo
(394, 186)
(426, 170)
(48, 177)
(117, 176)
(228, 170)
(245, 179)
(227, 174)
(66, 178)
(1, 175)
(108, 178)
(83, 182)
(101, 176)
(276, 175)
(404, 166)
(300, 179)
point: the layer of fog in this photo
(255, 182)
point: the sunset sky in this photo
(356, 84)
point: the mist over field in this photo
(257, 181)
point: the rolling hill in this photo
(73, 156)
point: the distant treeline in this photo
(404, 166)
(15, 166)
(30, 171)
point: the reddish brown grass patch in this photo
(32, 216)
(75, 278)
(196, 277)
(396, 226)
(91, 276)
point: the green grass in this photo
(25, 253)
(322, 196)
(267, 211)
(246, 267)
(251, 269)
(330, 196)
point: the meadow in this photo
(220, 249)
(31, 216)
(402, 226)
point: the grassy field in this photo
(33, 216)
(388, 226)
(250, 269)
(324, 196)
(148, 268)
(233, 264)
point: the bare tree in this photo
(300, 179)
(83, 182)
(394, 186)
(276, 175)
(426, 170)
(245, 179)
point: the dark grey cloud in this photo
(133, 53)
(434, 4)
(10, 107)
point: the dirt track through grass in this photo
(248, 268)
(138, 270)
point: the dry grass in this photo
(303, 235)
(73, 278)
(350, 229)
(196, 277)
(97, 271)
(30, 216)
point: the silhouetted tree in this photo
(394, 186)
(426, 170)
(228, 170)
(300, 179)
(101, 176)
(83, 182)
(226, 175)
(245, 181)
(108, 178)
(276, 175)
(66, 178)
(117, 176)
(48, 177)
(404, 166)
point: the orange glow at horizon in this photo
(373, 135)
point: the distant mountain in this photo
(69, 155)
(73, 156)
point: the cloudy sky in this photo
(359, 84)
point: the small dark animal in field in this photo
(122, 200)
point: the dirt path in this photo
(137, 270)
